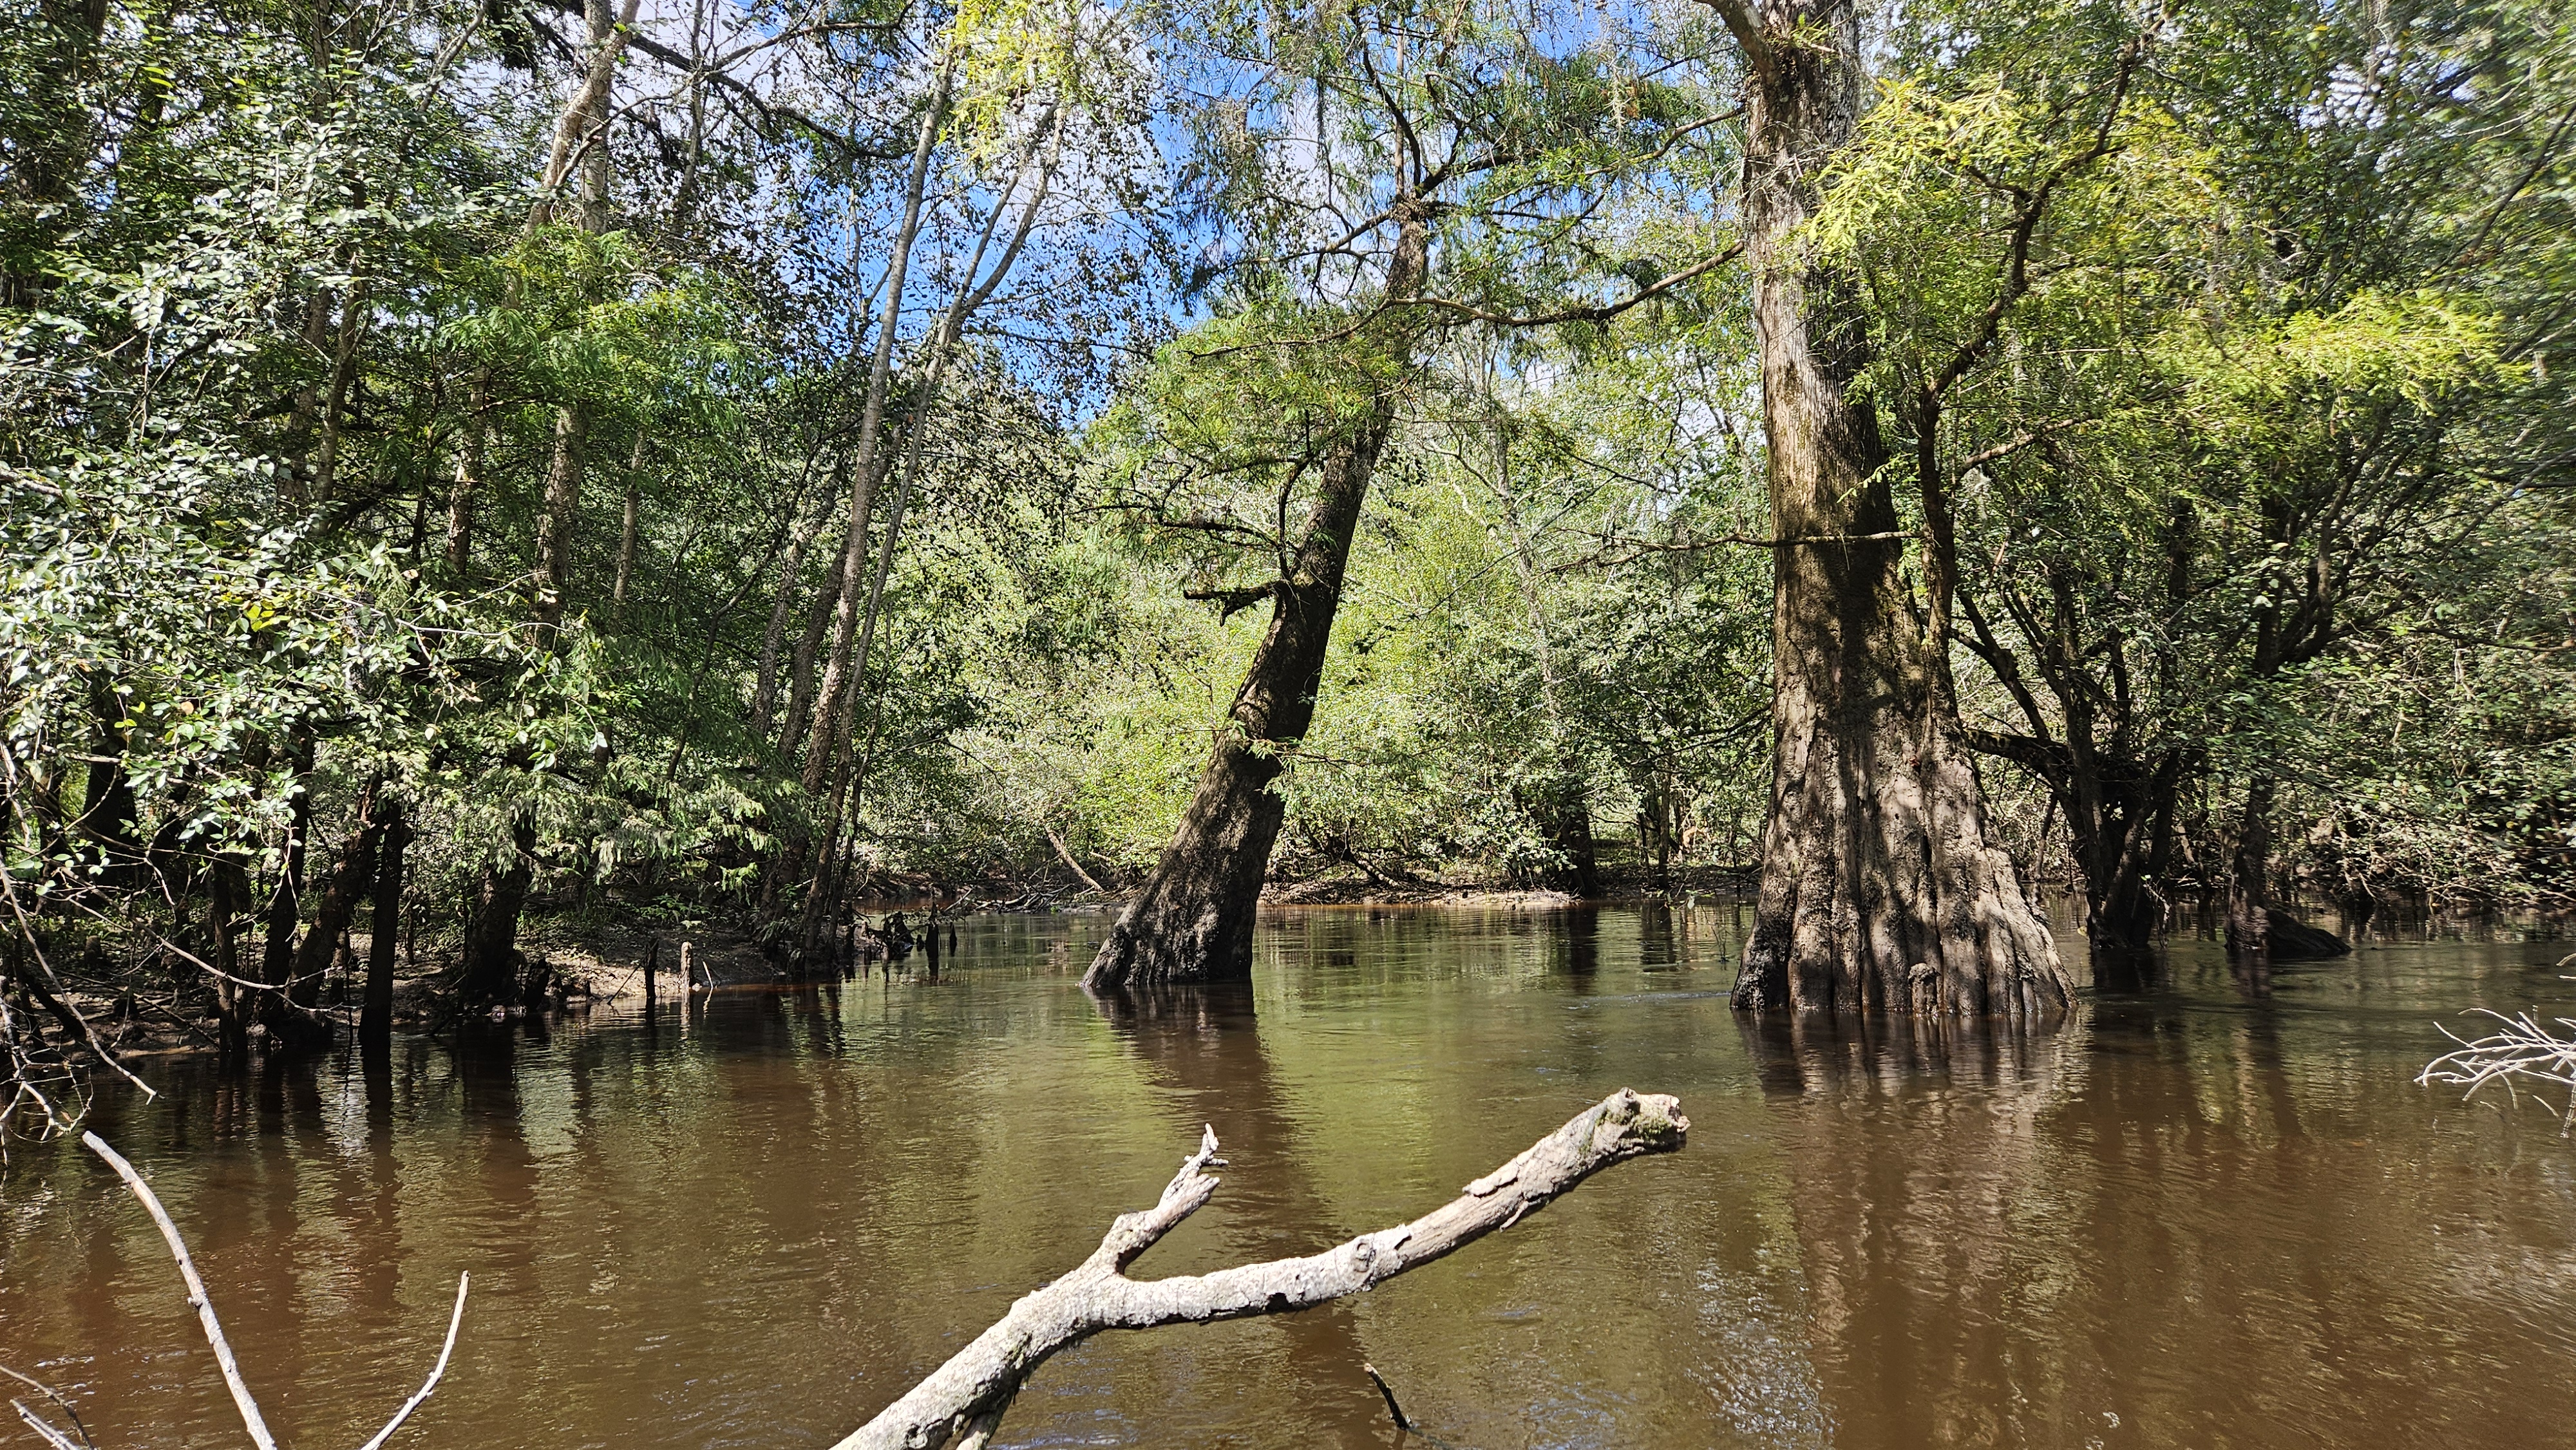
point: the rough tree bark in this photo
(1192, 919)
(968, 1395)
(1881, 890)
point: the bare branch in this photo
(1235, 600)
(435, 1371)
(967, 1395)
(35, 1422)
(197, 1297)
(1600, 313)
(49, 1392)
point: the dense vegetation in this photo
(471, 461)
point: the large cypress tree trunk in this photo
(1881, 890)
(1192, 919)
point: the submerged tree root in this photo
(965, 1398)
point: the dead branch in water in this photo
(968, 1395)
(204, 1304)
(2520, 1054)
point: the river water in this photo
(2192, 1217)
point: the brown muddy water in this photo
(2190, 1218)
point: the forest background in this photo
(473, 463)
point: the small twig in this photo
(197, 1296)
(53, 1437)
(435, 1371)
(49, 1392)
(1393, 1409)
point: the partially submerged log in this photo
(968, 1395)
(2293, 940)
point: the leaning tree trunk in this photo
(352, 877)
(1192, 919)
(1881, 888)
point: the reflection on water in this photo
(2196, 1216)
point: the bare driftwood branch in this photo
(199, 1300)
(51, 1434)
(35, 1422)
(968, 1395)
(422, 1395)
(197, 1297)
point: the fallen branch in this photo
(204, 1304)
(968, 1395)
(421, 1396)
(35, 1422)
(2519, 1054)
(1065, 855)
(197, 1296)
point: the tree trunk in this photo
(344, 358)
(565, 467)
(50, 140)
(460, 490)
(629, 526)
(228, 892)
(109, 814)
(491, 964)
(2126, 852)
(1192, 919)
(285, 904)
(809, 653)
(773, 641)
(2249, 883)
(832, 700)
(293, 479)
(1880, 888)
(376, 1011)
(1561, 807)
(352, 878)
